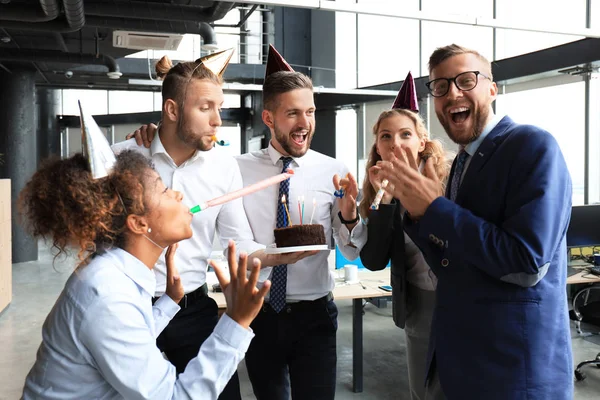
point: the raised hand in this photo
(415, 191)
(376, 178)
(244, 299)
(347, 203)
(174, 286)
(144, 135)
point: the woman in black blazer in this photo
(413, 283)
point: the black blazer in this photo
(385, 243)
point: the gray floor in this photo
(37, 284)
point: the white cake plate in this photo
(282, 250)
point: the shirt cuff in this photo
(357, 237)
(167, 306)
(233, 333)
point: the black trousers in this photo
(295, 349)
(182, 338)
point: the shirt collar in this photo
(472, 147)
(156, 147)
(275, 155)
(136, 270)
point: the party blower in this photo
(255, 187)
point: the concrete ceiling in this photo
(56, 36)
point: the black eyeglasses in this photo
(465, 81)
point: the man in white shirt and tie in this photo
(295, 342)
(184, 157)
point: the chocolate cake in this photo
(300, 235)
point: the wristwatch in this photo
(348, 222)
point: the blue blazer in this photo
(500, 328)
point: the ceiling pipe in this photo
(130, 24)
(143, 25)
(48, 11)
(158, 11)
(31, 55)
(209, 37)
(74, 20)
(198, 3)
(74, 13)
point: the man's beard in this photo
(479, 117)
(191, 139)
(284, 141)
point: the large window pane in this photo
(439, 34)
(345, 49)
(122, 102)
(594, 165)
(472, 8)
(387, 47)
(346, 138)
(560, 13)
(94, 101)
(537, 106)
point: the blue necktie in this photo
(279, 275)
(458, 171)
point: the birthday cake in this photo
(300, 235)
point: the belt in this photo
(302, 303)
(189, 298)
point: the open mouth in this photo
(299, 137)
(459, 114)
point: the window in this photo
(539, 107)
(560, 13)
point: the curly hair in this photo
(433, 148)
(64, 204)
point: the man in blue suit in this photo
(496, 242)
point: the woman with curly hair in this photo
(399, 133)
(99, 340)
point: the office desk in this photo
(582, 277)
(368, 288)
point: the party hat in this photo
(217, 62)
(407, 96)
(95, 146)
(275, 62)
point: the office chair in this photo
(585, 293)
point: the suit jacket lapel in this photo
(481, 157)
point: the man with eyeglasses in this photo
(496, 242)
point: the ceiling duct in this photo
(74, 18)
(158, 12)
(48, 10)
(34, 55)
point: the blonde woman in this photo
(413, 282)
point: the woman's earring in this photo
(149, 230)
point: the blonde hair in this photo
(433, 148)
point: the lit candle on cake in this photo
(286, 209)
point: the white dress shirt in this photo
(310, 278)
(206, 175)
(99, 341)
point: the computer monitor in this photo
(584, 228)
